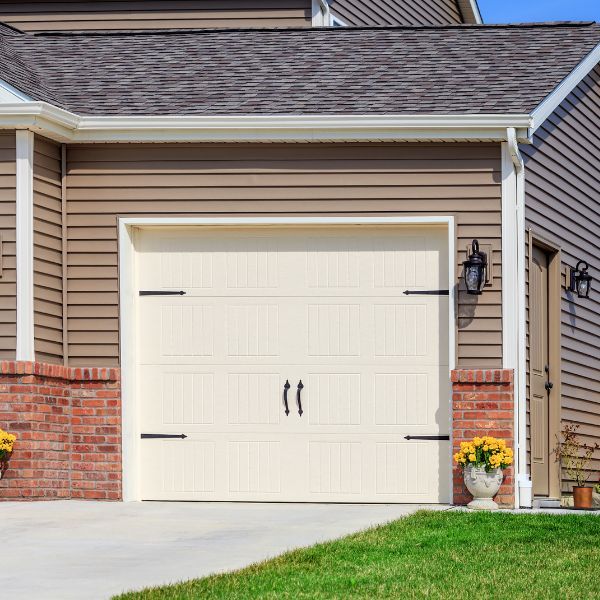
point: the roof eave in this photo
(65, 126)
(563, 89)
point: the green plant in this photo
(574, 455)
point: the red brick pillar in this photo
(483, 404)
(68, 427)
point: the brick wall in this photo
(483, 404)
(68, 427)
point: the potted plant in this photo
(575, 457)
(7, 441)
(482, 460)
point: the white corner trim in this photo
(564, 88)
(128, 307)
(9, 93)
(24, 245)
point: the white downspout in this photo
(523, 483)
(321, 14)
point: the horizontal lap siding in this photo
(8, 273)
(180, 14)
(185, 179)
(563, 205)
(397, 12)
(47, 251)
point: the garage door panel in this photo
(172, 469)
(412, 469)
(261, 307)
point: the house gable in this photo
(195, 14)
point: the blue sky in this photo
(519, 11)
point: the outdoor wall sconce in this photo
(475, 270)
(581, 280)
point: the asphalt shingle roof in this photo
(401, 70)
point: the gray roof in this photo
(465, 69)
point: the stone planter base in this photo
(483, 486)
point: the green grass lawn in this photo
(429, 555)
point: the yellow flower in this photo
(471, 457)
(477, 441)
(486, 448)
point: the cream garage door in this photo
(321, 306)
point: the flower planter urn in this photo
(483, 486)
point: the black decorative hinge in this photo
(161, 293)
(426, 292)
(163, 436)
(426, 437)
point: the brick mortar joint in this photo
(59, 372)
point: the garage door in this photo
(232, 322)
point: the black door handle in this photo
(162, 436)
(426, 437)
(298, 399)
(286, 387)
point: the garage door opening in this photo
(289, 363)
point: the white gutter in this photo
(65, 126)
(523, 483)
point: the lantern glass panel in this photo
(473, 278)
(583, 287)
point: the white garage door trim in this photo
(127, 302)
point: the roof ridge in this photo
(174, 31)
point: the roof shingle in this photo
(465, 69)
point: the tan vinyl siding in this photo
(76, 15)
(563, 205)
(47, 250)
(397, 12)
(8, 274)
(169, 180)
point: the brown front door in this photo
(539, 372)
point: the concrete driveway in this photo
(89, 550)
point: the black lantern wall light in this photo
(580, 281)
(475, 270)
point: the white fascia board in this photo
(476, 12)
(566, 86)
(65, 126)
(308, 128)
(9, 94)
(24, 245)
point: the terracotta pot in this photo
(582, 497)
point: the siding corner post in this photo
(25, 349)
